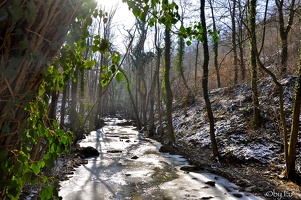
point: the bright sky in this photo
(123, 19)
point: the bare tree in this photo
(205, 80)
(241, 40)
(234, 43)
(105, 30)
(215, 45)
(284, 30)
(170, 133)
(253, 57)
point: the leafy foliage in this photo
(169, 16)
(41, 140)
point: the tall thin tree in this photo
(205, 79)
(215, 45)
(253, 49)
(284, 30)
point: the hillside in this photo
(251, 157)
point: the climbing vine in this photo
(30, 142)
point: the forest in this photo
(193, 74)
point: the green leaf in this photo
(6, 128)
(3, 159)
(35, 168)
(47, 192)
(3, 15)
(16, 11)
(11, 71)
(188, 43)
(214, 35)
(116, 57)
(94, 48)
(113, 68)
(89, 64)
(42, 90)
(41, 164)
(24, 44)
(31, 11)
(104, 46)
(119, 77)
(152, 22)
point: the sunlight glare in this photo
(109, 3)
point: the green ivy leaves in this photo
(30, 11)
(109, 72)
(16, 10)
(100, 44)
(3, 15)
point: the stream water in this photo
(130, 166)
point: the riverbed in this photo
(130, 166)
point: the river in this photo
(130, 166)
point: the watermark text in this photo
(278, 195)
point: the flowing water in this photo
(131, 167)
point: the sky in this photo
(123, 19)
(123, 13)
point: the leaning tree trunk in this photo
(292, 148)
(31, 33)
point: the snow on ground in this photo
(234, 131)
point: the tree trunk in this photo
(235, 57)
(136, 112)
(281, 91)
(180, 58)
(73, 109)
(291, 156)
(82, 92)
(170, 134)
(205, 80)
(253, 58)
(99, 91)
(53, 105)
(215, 47)
(152, 104)
(196, 67)
(159, 52)
(63, 106)
(241, 43)
(28, 43)
(83, 82)
(284, 31)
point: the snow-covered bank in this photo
(242, 147)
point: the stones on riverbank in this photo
(86, 152)
(134, 157)
(211, 183)
(210, 197)
(126, 123)
(167, 148)
(190, 168)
